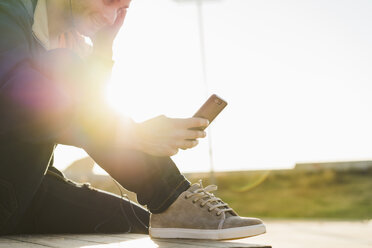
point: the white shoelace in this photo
(204, 193)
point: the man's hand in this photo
(163, 136)
(104, 38)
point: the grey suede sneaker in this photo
(198, 214)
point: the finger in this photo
(68, 40)
(164, 152)
(120, 18)
(190, 122)
(170, 151)
(190, 134)
(158, 150)
(186, 144)
(62, 41)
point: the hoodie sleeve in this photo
(33, 108)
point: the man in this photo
(51, 93)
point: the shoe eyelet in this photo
(86, 185)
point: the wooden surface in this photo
(280, 234)
(111, 241)
(317, 234)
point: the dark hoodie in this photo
(26, 146)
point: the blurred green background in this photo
(326, 193)
(323, 194)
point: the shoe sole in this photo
(229, 233)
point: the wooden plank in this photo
(192, 242)
(52, 241)
(6, 242)
(112, 238)
(319, 234)
(280, 234)
(206, 243)
(116, 240)
(20, 245)
(99, 238)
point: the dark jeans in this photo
(62, 206)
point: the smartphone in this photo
(210, 109)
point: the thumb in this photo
(120, 18)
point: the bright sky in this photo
(297, 76)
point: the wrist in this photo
(103, 58)
(103, 50)
(127, 134)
